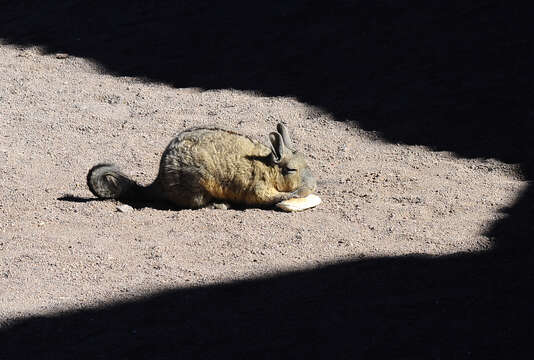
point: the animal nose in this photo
(313, 184)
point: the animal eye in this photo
(288, 171)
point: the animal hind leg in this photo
(199, 200)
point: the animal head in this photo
(294, 173)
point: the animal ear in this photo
(282, 130)
(277, 147)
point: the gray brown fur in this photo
(202, 166)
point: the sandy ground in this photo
(60, 249)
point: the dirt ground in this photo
(62, 250)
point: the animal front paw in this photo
(300, 193)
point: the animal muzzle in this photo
(309, 184)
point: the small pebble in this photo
(221, 206)
(124, 208)
(62, 56)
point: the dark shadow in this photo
(159, 205)
(452, 75)
(456, 307)
(77, 199)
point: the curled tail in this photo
(106, 181)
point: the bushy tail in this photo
(106, 181)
